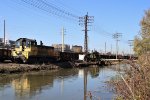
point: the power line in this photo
(99, 29)
(96, 28)
(50, 8)
(59, 9)
(102, 33)
(64, 6)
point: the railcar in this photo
(68, 56)
(5, 54)
(27, 51)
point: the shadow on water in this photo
(63, 84)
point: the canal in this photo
(62, 84)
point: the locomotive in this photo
(27, 51)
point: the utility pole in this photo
(111, 48)
(85, 21)
(105, 47)
(4, 33)
(130, 42)
(116, 36)
(63, 30)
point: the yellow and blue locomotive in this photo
(27, 51)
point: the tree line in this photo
(142, 41)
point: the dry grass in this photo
(135, 83)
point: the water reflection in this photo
(85, 84)
(64, 84)
(94, 72)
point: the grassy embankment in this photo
(134, 84)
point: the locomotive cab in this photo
(22, 49)
(27, 51)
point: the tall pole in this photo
(117, 49)
(111, 48)
(116, 36)
(63, 39)
(85, 21)
(130, 51)
(130, 44)
(4, 32)
(105, 47)
(85, 37)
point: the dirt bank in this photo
(16, 68)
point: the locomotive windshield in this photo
(25, 42)
(20, 42)
(17, 44)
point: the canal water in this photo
(63, 84)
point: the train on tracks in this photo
(28, 51)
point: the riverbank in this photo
(134, 82)
(6, 68)
(16, 68)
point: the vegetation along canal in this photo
(62, 84)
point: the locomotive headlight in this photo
(19, 52)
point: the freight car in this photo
(68, 56)
(5, 54)
(27, 51)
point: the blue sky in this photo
(110, 16)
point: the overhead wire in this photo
(59, 2)
(59, 9)
(50, 8)
(100, 31)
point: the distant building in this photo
(58, 47)
(1, 42)
(9, 43)
(77, 49)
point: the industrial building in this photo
(58, 47)
(8, 43)
(77, 49)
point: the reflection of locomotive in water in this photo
(27, 51)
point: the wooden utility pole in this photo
(116, 36)
(130, 44)
(63, 39)
(4, 33)
(111, 49)
(105, 47)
